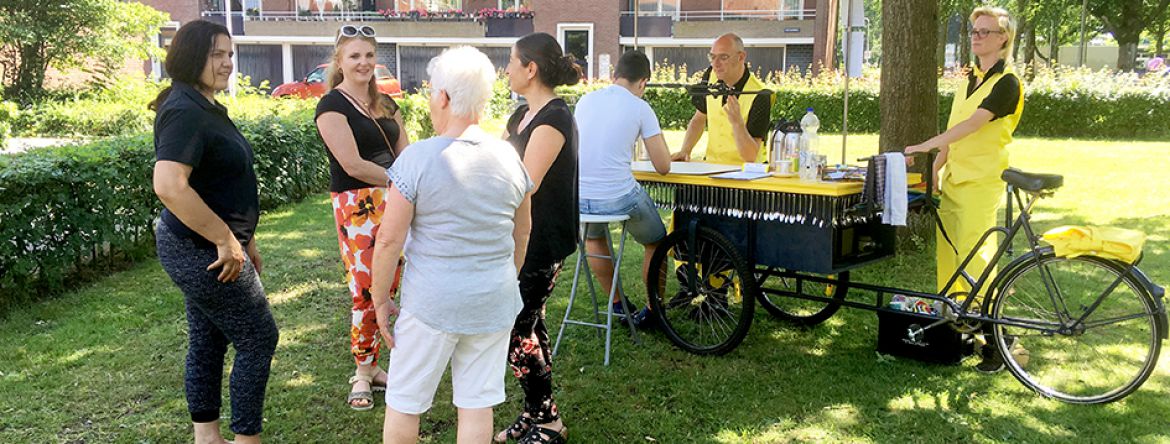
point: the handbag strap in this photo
(370, 115)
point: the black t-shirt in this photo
(759, 116)
(554, 206)
(1004, 96)
(191, 130)
(370, 144)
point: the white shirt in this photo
(609, 121)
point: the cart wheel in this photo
(705, 293)
(776, 297)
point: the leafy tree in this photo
(37, 34)
(1126, 19)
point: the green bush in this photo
(71, 210)
(1058, 103)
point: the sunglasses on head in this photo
(354, 31)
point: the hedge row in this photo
(70, 210)
(1047, 113)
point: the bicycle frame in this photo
(954, 311)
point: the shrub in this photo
(71, 210)
(1059, 102)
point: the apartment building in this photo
(281, 40)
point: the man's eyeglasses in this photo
(353, 31)
(983, 33)
(722, 58)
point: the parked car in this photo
(313, 84)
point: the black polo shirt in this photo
(758, 118)
(1005, 94)
(191, 130)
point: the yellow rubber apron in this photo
(971, 188)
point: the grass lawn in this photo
(104, 364)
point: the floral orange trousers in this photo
(358, 215)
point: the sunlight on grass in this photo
(84, 353)
(300, 333)
(310, 253)
(300, 379)
(294, 292)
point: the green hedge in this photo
(71, 210)
(1046, 114)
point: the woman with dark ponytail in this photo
(204, 177)
(545, 135)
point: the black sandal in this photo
(545, 435)
(517, 430)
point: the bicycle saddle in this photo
(1032, 181)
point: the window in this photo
(429, 5)
(513, 5)
(772, 9)
(660, 7)
(253, 7)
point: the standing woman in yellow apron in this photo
(973, 152)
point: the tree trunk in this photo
(1030, 51)
(909, 78)
(30, 74)
(1054, 44)
(1126, 54)
(964, 39)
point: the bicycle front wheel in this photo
(1051, 350)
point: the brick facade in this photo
(603, 14)
(181, 11)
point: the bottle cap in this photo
(809, 109)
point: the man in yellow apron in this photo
(736, 124)
(973, 153)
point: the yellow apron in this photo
(971, 188)
(721, 146)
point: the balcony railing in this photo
(347, 16)
(686, 16)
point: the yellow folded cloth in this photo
(1108, 242)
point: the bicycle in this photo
(1092, 326)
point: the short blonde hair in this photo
(1006, 24)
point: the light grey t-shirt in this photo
(460, 276)
(609, 121)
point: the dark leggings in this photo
(530, 355)
(219, 314)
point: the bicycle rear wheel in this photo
(1103, 359)
(802, 312)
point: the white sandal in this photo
(365, 395)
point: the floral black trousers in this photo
(530, 354)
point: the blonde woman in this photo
(973, 153)
(362, 131)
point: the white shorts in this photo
(419, 359)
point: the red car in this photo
(313, 85)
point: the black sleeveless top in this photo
(554, 206)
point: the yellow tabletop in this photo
(777, 184)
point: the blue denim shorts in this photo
(645, 225)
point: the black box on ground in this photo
(900, 334)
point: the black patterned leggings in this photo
(530, 354)
(219, 314)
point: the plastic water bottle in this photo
(809, 125)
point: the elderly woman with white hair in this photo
(464, 197)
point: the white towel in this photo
(894, 208)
